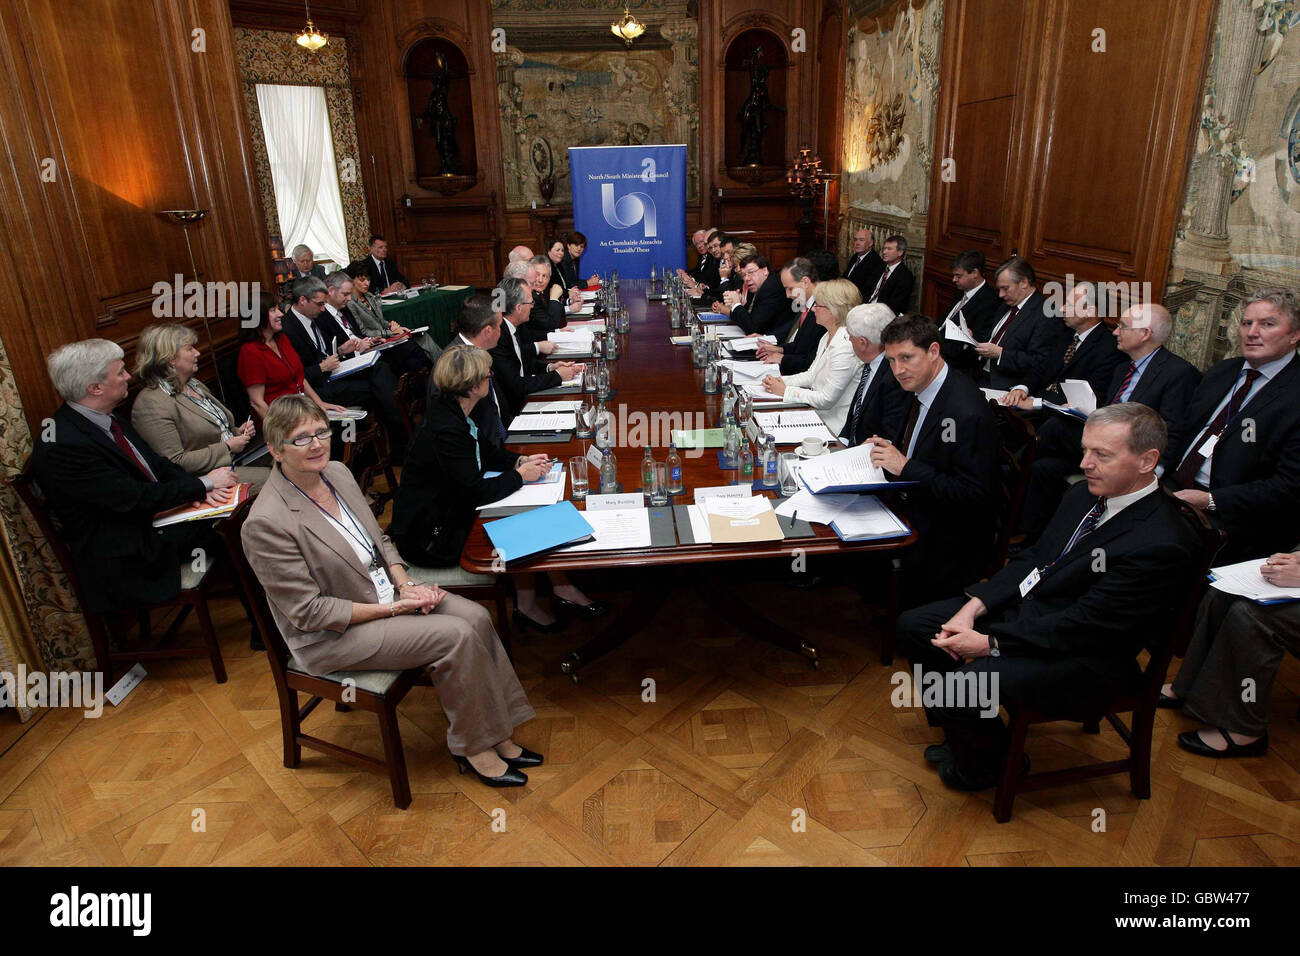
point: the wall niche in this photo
(442, 116)
(755, 102)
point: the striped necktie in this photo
(1086, 527)
(1123, 386)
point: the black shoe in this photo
(523, 622)
(804, 582)
(1171, 703)
(511, 778)
(1191, 740)
(255, 642)
(938, 753)
(954, 778)
(594, 609)
(526, 758)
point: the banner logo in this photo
(629, 210)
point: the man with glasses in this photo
(762, 307)
(516, 363)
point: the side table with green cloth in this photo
(436, 309)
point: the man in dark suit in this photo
(403, 357)
(304, 264)
(517, 366)
(726, 261)
(948, 445)
(699, 239)
(550, 305)
(879, 404)
(1060, 627)
(321, 343)
(797, 336)
(894, 286)
(1091, 354)
(479, 325)
(385, 277)
(104, 484)
(1236, 453)
(1025, 340)
(707, 274)
(1152, 375)
(763, 306)
(975, 311)
(865, 266)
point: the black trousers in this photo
(979, 740)
(376, 389)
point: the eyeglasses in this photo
(302, 441)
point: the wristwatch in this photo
(994, 650)
(1210, 505)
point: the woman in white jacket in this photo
(828, 384)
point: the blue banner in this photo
(630, 202)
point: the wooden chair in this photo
(1016, 452)
(367, 458)
(379, 692)
(1140, 701)
(196, 588)
(412, 397)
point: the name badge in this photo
(383, 585)
(595, 458)
(1031, 579)
(1207, 446)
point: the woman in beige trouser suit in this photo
(307, 537)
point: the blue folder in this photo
(867, 488)
(542, 529)
(712, 317)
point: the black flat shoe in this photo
(594, 609)
(938, 753)
(954, 778)
(526, 758)
(1168, 703)
(511, 778)
(523, 622)
(1191, 740)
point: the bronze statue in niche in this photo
(442, 123)
(753, 124)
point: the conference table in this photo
(435, 308)
(651, 375)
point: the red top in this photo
(281, 374)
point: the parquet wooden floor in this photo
(745, 757)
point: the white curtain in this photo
(298, 146)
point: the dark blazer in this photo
(709, 275)
(699, 267)
(1167, 384)
(516, 382)
(306, 347)
(798, 355)
(377, 283)
(317, 272)
(568, 268)
(767, 308)
(980, 313)
(1095, 361)
(547, 315)
(442, 483)
(1255, 470)
(864, 272)
(897, 290)
(1029, 347)
(733, 283)
(955, 505)
(105, 506)
(490, 426)
(1099, 614)
(883, 408)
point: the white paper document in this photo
(758, 393)
(726, 331)
(721, 491)
(582, 334)
(995, 393)
(850, 468)
(868, 517)
(748, 344)
(545, 422)
(588, 295)
(749, 506)
(791, 428)
(1244, 579)
(355, 364)
(956, 333)
(750, 371)
(615, 529)
(818, 509)
(541, 408)
(532, 495)
(1079, 394)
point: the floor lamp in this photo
(185, 217)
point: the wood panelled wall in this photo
(110, 116)
(1076, 158)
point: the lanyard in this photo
(211, 411)
(360, 538)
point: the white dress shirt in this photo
(831, 380)
(955, 315)
(1268, 371)
(1038, 402)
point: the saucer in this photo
(804, 455)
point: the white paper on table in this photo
(541, 408)
(545, 422)
(452, 288)
(868, 516)
(615, 529)
(758, 393)
(750, 506)
(578, 348)
(726, 331)
(1079, 394)
(800, 416)
(581, 334)
(818, 509)
(588, 296)
(956, 333)
(679, 339)
(995, 393)
(1244, 580)
(573, 383)
(850, 467)
(755, 371)
(584, 324)
(721, 491)
(749, 343)
(547, 493)
(699, 524)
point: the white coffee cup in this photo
(813, 446)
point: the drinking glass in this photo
(789, 464)
(578, 476)
(659, 491)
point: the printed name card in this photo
(614, 502)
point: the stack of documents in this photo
(1080, 399)
(533, 494)
(852, 517)
(1245, 581)
(355, 364)
(533, 532)
(725, 331)
(742, 372)
(201, 509)
(850, 470)
(727, 519)
(576, 341)
(615, 528)
(791, 428)
(748, 344)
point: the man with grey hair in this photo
(549, 310)
(1056, 633)
(304, 264)
(1235, 454)
(879, 402)
(104, 484)
(519, 254)
(1153, 376)
(517, 368)
(797, 337)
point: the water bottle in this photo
(770, 463)
(674, 463)
(604, 427)
(611, 347)
(711, 378)
(602, 380)
(746, 465)
(647, 472)
(730, 443)
(608, 474)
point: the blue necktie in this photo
(1086, 527)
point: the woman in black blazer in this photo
(443, 483)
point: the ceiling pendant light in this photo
(310, 38)
(628, 28)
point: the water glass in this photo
(578, 476)
(659, 490)
(788, 467)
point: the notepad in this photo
(1244, 580)
(544, 422)
(355, 364)
(201, 509)
(537, 531)
(699, 438)
(850, 470)
(791, 428)
(616, 529)
(532, 495)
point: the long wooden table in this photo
(653, 376)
